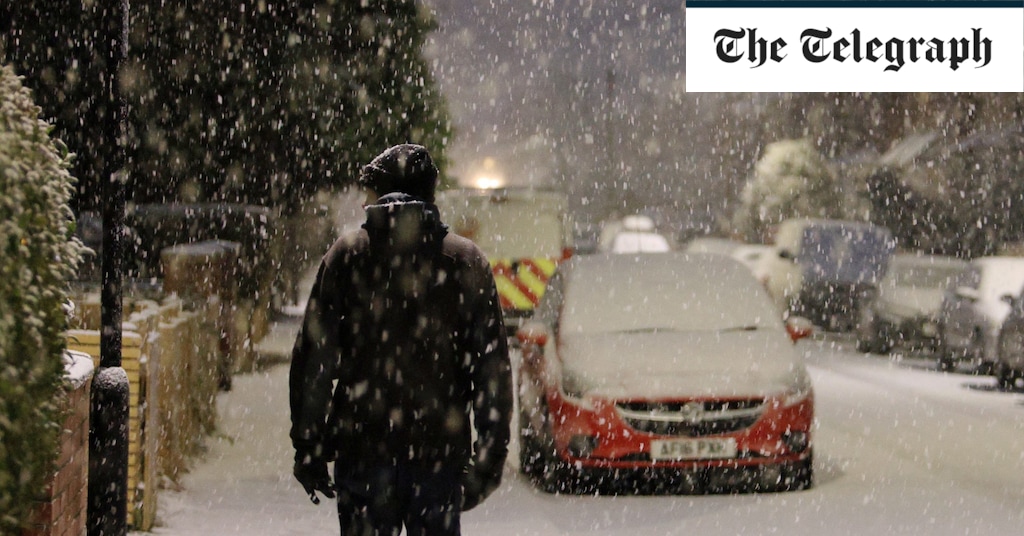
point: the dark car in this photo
(662, 373)
(1009, 366)
(905, 309)
(973, 310)
(821, 269)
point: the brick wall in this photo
(65, 512)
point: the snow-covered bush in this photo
(791, 180)
(37, 259)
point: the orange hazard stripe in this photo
(522, 288)
(513, 296)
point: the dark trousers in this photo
(378, 501)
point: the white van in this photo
(525, 233)
(822, 269)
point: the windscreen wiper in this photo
(751, 327)
(647, 330)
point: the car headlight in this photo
(798, 388)
(575, 388)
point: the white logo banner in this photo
(865, 46)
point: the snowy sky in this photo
(505, 64)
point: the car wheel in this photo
(975, 353)
(944, 360)
(872, 335)
(537, 457)
(553, 476)
(530, 453)
(532, 425)
(535, 452)
(1011, 343)
(867, 331)
(1005, 380)
(885, 343)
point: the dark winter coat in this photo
(405, 317)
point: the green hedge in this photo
(38, 258)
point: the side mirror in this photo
(787, 255)
(532, 336)
(533, 333)
(798, 328)
(1008, 299)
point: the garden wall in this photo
(63, 510)
(177, 350)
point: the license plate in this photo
(693, 449)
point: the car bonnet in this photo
(680, 364)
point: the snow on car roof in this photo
(912, 269)
(1005, 275)
(670, 291)
(640, 242)
(638, 223)
(921, 259)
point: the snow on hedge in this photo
(38, 255)
(791, 180)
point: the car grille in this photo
(694, 418)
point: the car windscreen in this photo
(663, 292)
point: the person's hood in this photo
(401, 220)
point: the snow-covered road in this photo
(899, 449)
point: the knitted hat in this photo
(405, 168)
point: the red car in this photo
(662, 373)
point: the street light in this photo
(108, 427)
(488, 176)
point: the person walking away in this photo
(401, 357)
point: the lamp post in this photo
(108, 428)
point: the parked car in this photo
(905, 308)
(821, 269)
(973, 310)
(662, 373)
(633, 234)
(1009, 366)
(751, 255)
(712, 244)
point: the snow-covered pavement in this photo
(900, 449)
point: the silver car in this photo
(973, 310)
(905, 308)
